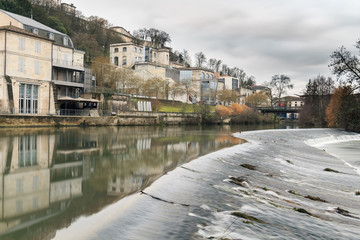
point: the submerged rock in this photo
(331, 170)
(301, 210)
(246, 216)
(248, 166)
(315, 198)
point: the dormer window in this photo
(66, 41)
(51, 36)
(35, 31)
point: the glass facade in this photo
(27, 151)
(28, 98)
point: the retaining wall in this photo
(123, 118)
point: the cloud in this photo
(264, 37)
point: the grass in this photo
(176, 107)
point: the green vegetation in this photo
(92, 35)
(181, 107)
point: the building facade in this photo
(42, 72)
(127, 54)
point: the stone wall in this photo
(127, 118)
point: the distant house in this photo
(292, 101)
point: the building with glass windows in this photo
(41, 72)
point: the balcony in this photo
(67, 64)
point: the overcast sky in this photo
(263, 37)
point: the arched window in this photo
(202, 75)
(124, 60)
(135, 49)
(207, 76)
(116, 61)
(124, 49)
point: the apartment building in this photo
(129, 53)
(42, 72)
(25, 72)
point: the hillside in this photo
(92, 35)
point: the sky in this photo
(262, 37)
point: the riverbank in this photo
(273, 186)
(123, 118)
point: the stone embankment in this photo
(124, 118)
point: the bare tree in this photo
(186, 57)
(345, 64)
(278, 86)
(200, 59)
(176, 89)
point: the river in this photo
(179, 183)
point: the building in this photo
(68, 8)
(129, 53)
(25, 72)
(126, 35)
(41, 61)
(230, 83)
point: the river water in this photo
(139, 183)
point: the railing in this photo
(79, 80)
(67, 63)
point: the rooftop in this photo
(31, 22)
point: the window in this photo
(135, 49)
(167, 57)
(66, 59)
(38, 47)
(66, 41)
(202, 75)
(35, 202)
(116, 61)
(207, 76)
(19, 206)
(37, 67)
(235, 84)
(154, 54)
(21, 65)
(124, 60)
(21, 43)
(139, 50)
(124, 49)
(116, 50)
(35, 182)
(19, 185)
(35, 30)
(27, 152)
(51, 36)
(28, 98)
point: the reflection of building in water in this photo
(143, 144)
(25, 179)
(36, 181)
(121, 184)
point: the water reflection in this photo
(49, 177)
